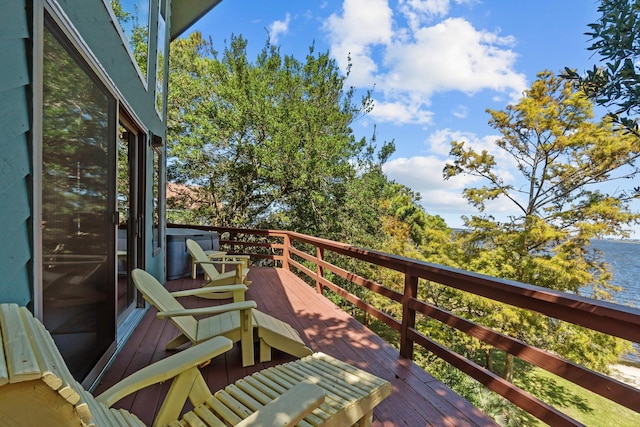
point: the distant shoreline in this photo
(620, 240)
(628, 374)
(606, 239)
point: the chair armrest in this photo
(220, 262)
(209, 290)
(289, 408)
(217, 309)
(228, 262)
(212, 252)
(229, 256)
(166, 369)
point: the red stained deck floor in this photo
(417, 398)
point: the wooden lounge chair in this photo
(238, 321)
(215, 278)
(37, 389)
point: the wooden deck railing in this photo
(296, 252)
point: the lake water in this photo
(624, 258)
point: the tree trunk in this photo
(366, 319)
(488, 356)
(508, 367)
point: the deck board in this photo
(418, 399)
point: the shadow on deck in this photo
(418, 399)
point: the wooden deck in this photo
(418, 399)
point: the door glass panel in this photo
(78, 234)
(128, 218)
(157, 238)
(126, 215)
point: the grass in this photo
(587, 407)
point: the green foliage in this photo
(269, 143)
(501, 410)
(403, 205)
(616, 84)
(562, 157)
(122, 15)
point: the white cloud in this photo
(407, 56)
(362, 25)
(409, 60)
(279, 27)
(452, 55)
(461, 112)
(400, 113)
(439, 142)
(362, 22)
(418, 12)
(442, 197)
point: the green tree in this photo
(267, 143)
(408, 231)
(122, 15)
(616, 40)
(559, 204)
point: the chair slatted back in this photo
(198, 254)
(158, 296)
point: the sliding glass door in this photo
(78, 205)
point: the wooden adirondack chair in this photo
(214, 255)
(238, 321)
(214, 277)
(37, 389)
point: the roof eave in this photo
(184, 13)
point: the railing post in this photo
(285, 252)
(408, 315)
(233, 237)
(319, 269)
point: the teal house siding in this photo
(15, 155)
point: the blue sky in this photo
(435, 66)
